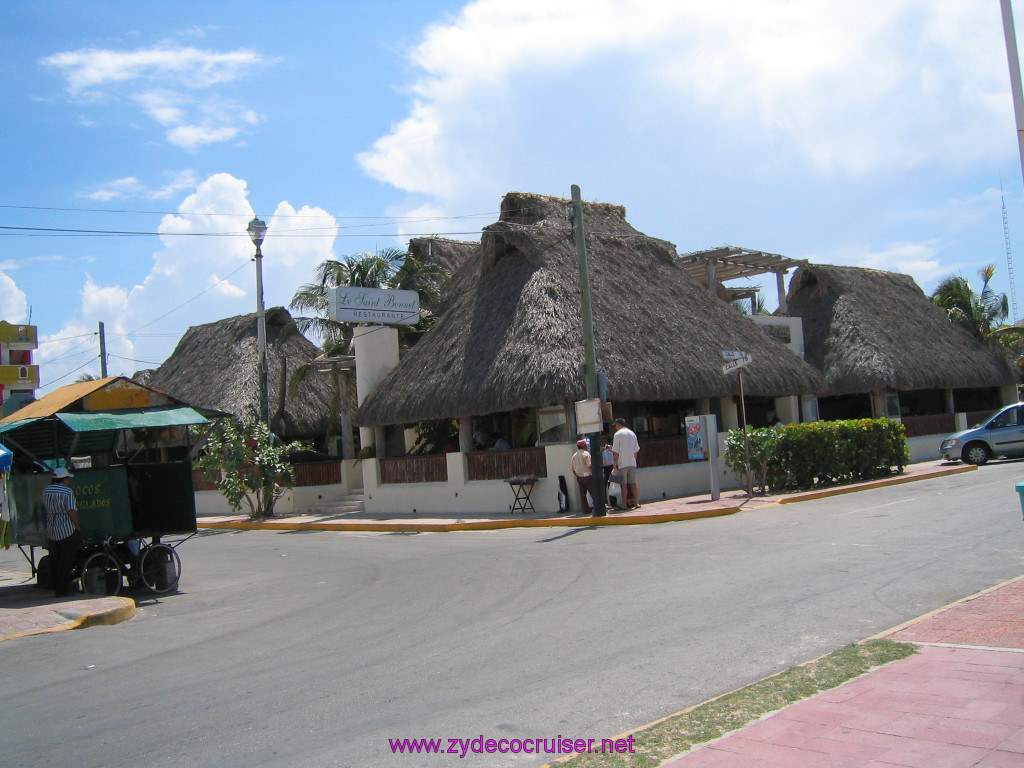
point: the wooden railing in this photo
(501, 465)
(932, 424)
(200, 483)
(662, 451)
(314, 473)
(318, 473)
(414, 469)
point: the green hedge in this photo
(821, 453)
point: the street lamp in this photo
(257, 230)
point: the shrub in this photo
(801, 456)
(248, 466)
(762, 444)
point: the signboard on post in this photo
(588, 417)
(374, 305)
(737, 363)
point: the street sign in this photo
(738, 363)
(733, 354)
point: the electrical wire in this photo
(12, 231)
(75, 370)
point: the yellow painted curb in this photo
(482, 525)
(897, 480)
(565, 522)
(126, 610)
(109, 617)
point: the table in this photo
(522, 485)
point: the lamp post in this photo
(257, 230)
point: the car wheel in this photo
(975, 453)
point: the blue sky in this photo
(874, 133)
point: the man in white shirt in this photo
(625, 447)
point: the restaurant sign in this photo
(374, 305)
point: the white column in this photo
(787, 408)
(376, 348)
(465, 434)
(780, 286)
(809, 408)
(1009, 394)
(877, 404)
(947, 399)
(730, 413)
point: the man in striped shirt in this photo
(62, 529)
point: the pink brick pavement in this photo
(957, 703)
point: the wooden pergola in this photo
(728, 262)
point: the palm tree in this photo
(389, 268)
(981, 313)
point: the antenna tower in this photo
(1009, 260)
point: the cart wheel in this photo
(101, 574)
(44, 577)
(160, 568)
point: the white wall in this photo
(213, 503)
(496, 496)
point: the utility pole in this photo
(1015, 84)
(257, 230)
(596, 453)
(103, 353)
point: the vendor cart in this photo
(129, 449)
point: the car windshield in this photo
(1009, 418)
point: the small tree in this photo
(247, 466)
(762, 444)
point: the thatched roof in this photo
(868, 330)
(216, 366)
(511, 336)
(450, 256)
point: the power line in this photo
(243, 215)
(17, 231)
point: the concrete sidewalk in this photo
(26, 610)
(957, 703)
(669, 510)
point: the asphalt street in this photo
(315, 648)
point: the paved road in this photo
(312, 649)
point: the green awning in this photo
(142, 419)
(56, 436)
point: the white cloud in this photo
(203, 271)
(181, 87)
(223, 287)
(194, 136)
(921, 260)
(130, 187)
(13, 304)
(163, 106)
(102, 302)
(90, 68)
(127, 187)
(856, 89)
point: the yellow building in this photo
(19, 378)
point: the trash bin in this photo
(1020, 493)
